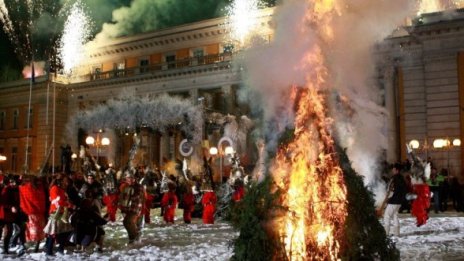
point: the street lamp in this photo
(98, 143)
(229, 150)
(2, 159)
(446, 144)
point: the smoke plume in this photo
(349, 58)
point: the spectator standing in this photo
(435, 189)
(443, 189)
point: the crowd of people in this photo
(72, 209)
(418, 195)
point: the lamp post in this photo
(229, 150)
(97, 143)
(446, 144)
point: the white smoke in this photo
(349, 56)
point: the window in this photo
(2, 120)
(15, 119)
(228, 48)
(29, 120)
(14, 158)
(96, 71)
(171, 61)
(144, 65)
(198, 55)
(119, 69)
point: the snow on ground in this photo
(442, 238)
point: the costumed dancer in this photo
(111, 194)
(58, 227)
(169, 203)
(148, 182)
(239, 190)
(33, 203)
(420, 172)
(188, 203)
(131, 202)
(208, 201)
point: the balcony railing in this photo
(152, 68)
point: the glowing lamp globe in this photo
(213, 151)
(89, 140)
(229, 150)
(105, 141)
(438, 143)
(414, 144)
(457, 142)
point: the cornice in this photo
(164, 39)
(175, 74)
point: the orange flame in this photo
(307, 169)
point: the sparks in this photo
(76, 33)
(430, 6)
(242, 18)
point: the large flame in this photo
(307, 169)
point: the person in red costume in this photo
(111, 197)
(32, 199)
(58, 227)
(239, 190)
(189, 204)
(420, 172)
(209, 201)
(169, 203)
(421, 204)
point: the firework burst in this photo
(430, 6)
(76, 32)
(31, 26)
(242, 18)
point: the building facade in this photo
(192, 61)
(422, 71)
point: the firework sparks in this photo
(76, 33)
(430, 6)
(32, 27)
(242, 18)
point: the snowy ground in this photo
(442, 238)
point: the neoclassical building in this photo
(192, 61)
(422, 70)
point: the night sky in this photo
(132, 17)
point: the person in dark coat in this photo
(88, 223)
(398, 190)
(9, 210)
